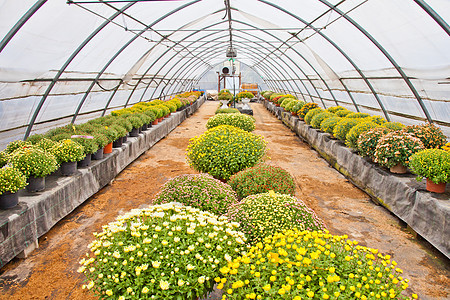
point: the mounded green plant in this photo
(11, 180)
(68, 151)
(306, 108)
(377, 119)
(4, 157)
(151, 114)
(101, 140)
(35, 138)
(242, 121)
(317, 120)
(351, 139)
(312, 113)
(328, 124)
(135, 121)
(433, 164)
(290, 105)
(265, 214)
(201, 191)
(225, 150)
(297, 264)
(46, 144)
(89, 144)
(121, 131)
(334, 109)
(430, 135)
(343, 113)
(357, 115)
(60, 136)
(14, 145)
(396, 148)
(394, 125)
(297, 106)
(165, 251)
(261, 179)
(110, 134)
(145, 118)
(343, 127)
(33, 161)
(244, 95)
(127, 124)
(227, 111)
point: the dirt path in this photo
(50, 271)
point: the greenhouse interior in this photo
(206, 149)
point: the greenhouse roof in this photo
(64, 62)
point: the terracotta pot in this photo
(435, 188)
(293, 113)
(155, 122)
(107, 149)
(398, 169)
(160, 119)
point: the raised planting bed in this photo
(424, 212)
(37, 213)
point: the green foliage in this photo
(89, 144)
(261, 179)
(67, 151)
(265, 214)
(342, 113)
(343, 127)
(4, 157)
(33, 161)
(290, 105)
(368, 140)
(242, 121)
(308, 117)
(317, 120)
(243, 95)
(149, 113)
(306, 108)
(297, 106)
(14, 145)
(163, 252)
(328, 124)
(354, 133)
(396, 147)
(11, 180)
(377, 119)
(225, 150)
(35, 138)
(227, 111)
(430, 135)
(357, 115)
(101, 140)
(433, 164)
(334, 109)
(46, 144)
(200, 191)
(135, 121)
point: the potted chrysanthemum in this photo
(11, 181)
(434, 165)
(68, 153)
(36, 164)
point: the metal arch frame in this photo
(434, 15)
(66, 64)
(12, 32)
(357, 69)
(387, 55)
(192, 70)
(247, 40)
(123, 48)
(289, 67)
(174, 55)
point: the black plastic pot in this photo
(35, 184)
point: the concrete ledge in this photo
(37, 213)
(424, 212)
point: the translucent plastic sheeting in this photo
(59, 60)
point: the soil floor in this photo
(50, 271)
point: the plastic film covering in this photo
(64, 62)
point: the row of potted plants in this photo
(28, 163)
(390, 144)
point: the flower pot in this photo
(118, 143)
(293, 113)
(144, 127)
(98, 155)
(149, 125)
(398, 169)
(134, 132)
(107, 149)
(124, 139)
(86, 161)
(160, 119)
(35, 184)
(8, 200)
(155, 122)
(140, 129)
(435, 188)
(68, 168)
